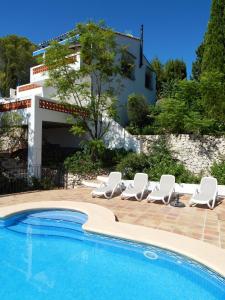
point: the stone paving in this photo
(197, 222)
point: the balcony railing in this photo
(15, 105)
(65, 108)
(40, 69)
(43, 68)
(27, 87)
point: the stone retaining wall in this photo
(197, 153)
(73, 180)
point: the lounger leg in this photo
(211, 206)
(109, 197)
(164, 201)
(213, 203)
(139, 199)
(150, 200)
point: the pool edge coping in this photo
(101, 220)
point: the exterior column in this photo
(35, 139)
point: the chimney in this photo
(141, 46)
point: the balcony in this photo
(39, 74)
(27, 90)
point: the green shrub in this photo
(94, 148)
(188, 106)
(12, 185)
(218, 171)
(44, 183)
(82, 163)
(94, 159)
(111, 157)
(133, 163)
(137, 110)
(212, 87)
(159, 161)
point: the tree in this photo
(188, 91)
(158, 67)
(212, 86)
(168, 74)
(89, 88)
(175, 70)
(197, 65)
(168, 89)
(11, 130)
(214, 42)
(171, 116)
(137, 109)
(15, 62)
(183, 111)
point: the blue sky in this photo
(173, 28)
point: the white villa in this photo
(46, 118)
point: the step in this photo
(49, 222)
(57, 214)
(46, 230)
(52, 223)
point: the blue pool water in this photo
(47, 255)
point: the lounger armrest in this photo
(156, 188)
(148, 187)
(196, 192)
(103, 184)
(122, 186)
(172, 190)
(130, 185)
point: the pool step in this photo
(60, 215)
(29, 229)
(50, 222)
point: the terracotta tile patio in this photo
(197, 222)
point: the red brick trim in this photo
(15, 105)
(28, 87)
(40, 69)
(45, 104)
(43, 68)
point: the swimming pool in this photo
(47, 255)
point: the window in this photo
(148, 78)
(128, 65)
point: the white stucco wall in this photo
(42, 91)
(127, 86)
(118, 137)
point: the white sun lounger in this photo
(138, 188)
(108, 188)
(206, 194)
(164, 191)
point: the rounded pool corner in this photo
(38, 243)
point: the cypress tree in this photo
(214, 42)
(197, 64)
